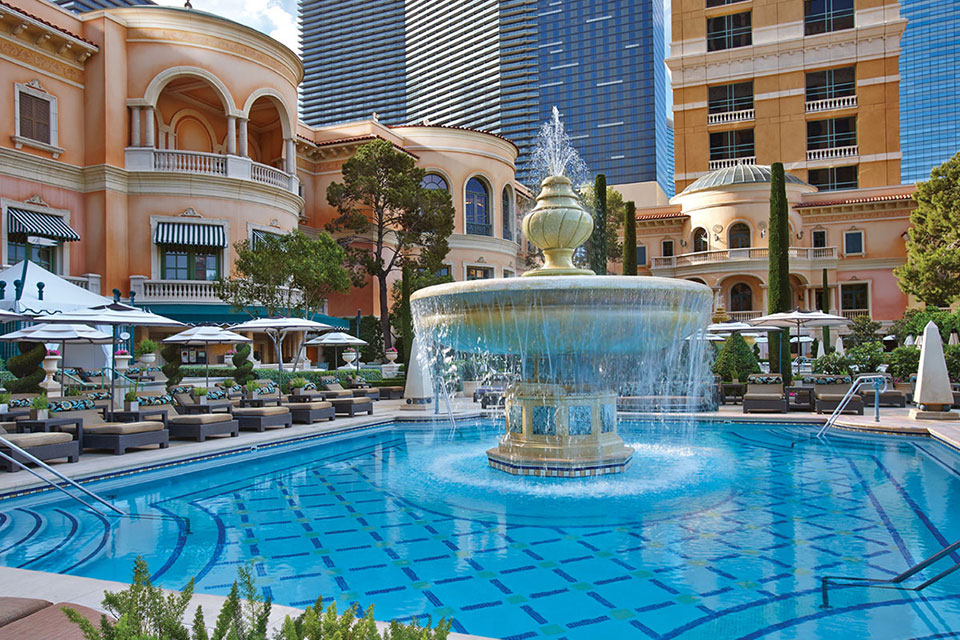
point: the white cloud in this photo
(276, 18)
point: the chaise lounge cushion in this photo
(754, 395)
(360, 400)
(12, 609)
(28, 440)
(310, 406)
(261, 411)
(123, 428)
(50, 623)
(202, 418)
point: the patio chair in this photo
(120, 436)
(765, 393)
(258, 419)
(829, 391)
(45, 446)
(352, 406)
(391, 392)
(201, 426)
(310, 412)
(331, 384)
(892, 397)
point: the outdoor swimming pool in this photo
(720, 531)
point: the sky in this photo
(276, 18)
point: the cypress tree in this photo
(406, 320)
(826, 309)
(630, 239)
(598, 240)
(779, 298)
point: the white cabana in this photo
(58, 294)
(59, 335)
(205, 336)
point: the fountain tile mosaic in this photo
(735, 550)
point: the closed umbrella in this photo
(336, 340)
(205, 336)
(954, 338)
(839, 347)
(277, 329)
(909, 342)
(821, 350)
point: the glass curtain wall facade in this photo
(353, 57)
(82, 6)
(929, 86)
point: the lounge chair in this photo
(829, 390)
(765, 393)
(391, 393)
(29, 618)
(331, 384)
(310, 412)
(352, 406)
(258, 419)
(892, 397)
(45, 446)
(200, 426)
(120, 436)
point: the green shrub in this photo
(243, 368)
(199, 392)
(735, 360)
(145, 347)
(269, 372)
(903, 362)
(298, 383)
(4, 398)
(832, 363)
(40, 402)
(951, 353)
(172, 367)
(866, 356)
(130, 396)
(26, 367)
(863, 330)
(228, 383)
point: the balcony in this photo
(833, 152)
(831, 104)
(731, 162)
(209, 164)
(174, 291)
(727, 117)
(88, 281)
(850, 314)
(690, 264)
(744, 316)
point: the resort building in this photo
(814, 85)
(502, 66)
(140, 143)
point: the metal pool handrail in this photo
(895, 582)
(879, 386)
(53, 484)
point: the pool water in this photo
(716, 531)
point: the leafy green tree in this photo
(387, 218)
(903, 362)
(932, 270)
(290, 275)
(598, 240)
(779, 298)
(951, 353)
(863, 330)
(832, 363)
(630, 239)
(914, 321)
(866, 356)
(26, 366)
(735, 360)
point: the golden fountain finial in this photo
(557, 225)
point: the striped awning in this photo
(258, 235)
(45, 225)
(194, 235)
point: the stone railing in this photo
(749, 253)
(850, 314)
(210, 164)
(185, 291)
(744, 316)
(88, 281)
(831, 104)
(730, 116)
(731, 162)
(833, 152)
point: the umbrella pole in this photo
(206, 353)
(113, 371)
(278, 344)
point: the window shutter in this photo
(41, 119)
(26, 116)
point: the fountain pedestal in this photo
(558, 432)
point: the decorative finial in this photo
(376, 117)
(187, 5)
(557, 226)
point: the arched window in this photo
(507, 209)
(700, 239)
(434, 181)
(741, 297)
(739, 236)
(478, 208)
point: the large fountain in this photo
(569, 341)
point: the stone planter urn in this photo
(349, 357)
(49, 384)
(123, 362)
(391, 356)
(148, 359)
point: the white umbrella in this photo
(821, 351)
(336, 339)
(919, 343)
(10, 316)
(205, 336)
(909, 342)
(114, 314)
(802, 339)
(725, 327)
(839, 347)
(799, 318)
(954, 338)
(277, 329)
(61, 334)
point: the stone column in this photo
(134, 126)
(290, 156)
(231, 135)
(150, 128)
(243, 138)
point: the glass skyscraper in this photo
(501, 66)
(929, 86)
(82, 6)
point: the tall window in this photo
(506, 207)
(34, 117)
(822, 16)
(833, 178)
(46, 257)
(666, 248)
(641, 255)
(434, 181)
(730, 97)
(830, 134)
(855, 296)
(727, 145)
(727, 32)
(700, 240)
(741, 297)
(478, 208)
(739, 236)
(831, 83)
(853, 243)
(819, 238)
(189, 263)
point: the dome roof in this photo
(738, 174)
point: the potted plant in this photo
(200, 394)
(51, 361)
(130, 402)
(146, 351)
(251, 388)
(123, 358)
(229, 383)
(297, 385)
(349, 355)
(4, 402)
(391, 355)
(40, 408)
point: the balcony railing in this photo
(730, 116)
(850, 314)
(831, 104)
(750, 253)
(88, 281)
(186, 291)
(744, 316)
(731, 162)
(478, 229)
(833, 152)
(209, 164)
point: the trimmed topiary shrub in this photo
(26, 366)
(903, 362)
(735, 360)
(242, 370)
(171, 368)
(779, 296)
